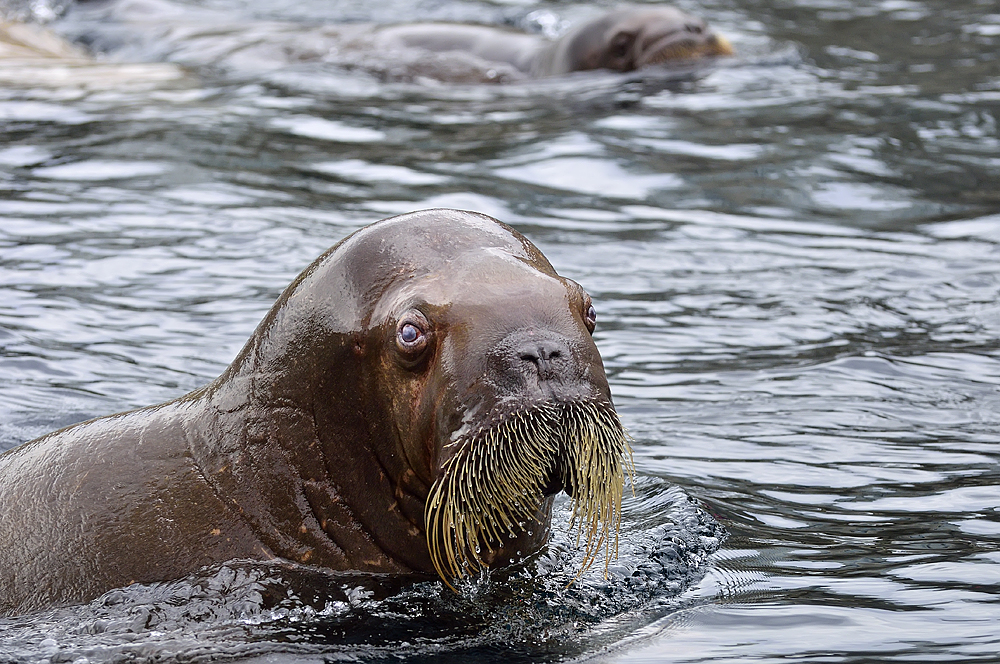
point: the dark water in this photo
(794, 256)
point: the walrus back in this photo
(106, 503)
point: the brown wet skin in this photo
(319, 443)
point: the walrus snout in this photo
(696, 39)
(539, 366)
(543, 356)
(543, 360)
(499, 481)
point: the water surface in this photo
(793, 256)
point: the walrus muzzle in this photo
(493, 485)
(672, 48)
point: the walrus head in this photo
(629, 38)
(424, 389)
(506, 401)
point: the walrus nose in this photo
(536, 364)
(545, 356)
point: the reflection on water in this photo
(793, 257)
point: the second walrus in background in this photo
(625, 39)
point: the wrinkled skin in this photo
(320, 441)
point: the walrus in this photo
(623, 39)
(412, 403)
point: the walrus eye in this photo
(621, 43)
(411, 333)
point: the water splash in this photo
(285, 611)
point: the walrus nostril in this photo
(542, 354)
(543, 362)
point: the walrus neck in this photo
(543, 61)
(520, 51)
(308, 516)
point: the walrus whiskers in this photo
(492, 487)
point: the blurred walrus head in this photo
(632, 37)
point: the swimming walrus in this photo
(623, 39)
(411, 403)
